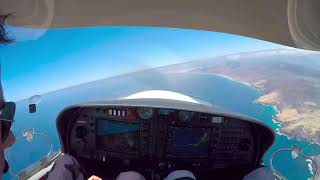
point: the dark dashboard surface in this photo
(160, 139)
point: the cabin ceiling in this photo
(288, 22)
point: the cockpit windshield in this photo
(44, 71)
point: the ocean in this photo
(220, 91)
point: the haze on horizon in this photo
(41, 62)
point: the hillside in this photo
(289, 79)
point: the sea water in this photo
(220, 91)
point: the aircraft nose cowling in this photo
(161, 94)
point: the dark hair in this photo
(3, 34)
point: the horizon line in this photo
(168, 65)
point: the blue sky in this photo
(41, 61)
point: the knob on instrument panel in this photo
(81, 132)
(185, 116)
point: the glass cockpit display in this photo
(190, 142)
(119, 137)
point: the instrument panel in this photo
(164, 137)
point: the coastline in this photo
(279, 123)
(276, 120)
(276, 109)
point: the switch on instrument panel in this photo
(117, 112)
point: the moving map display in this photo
(119, 137)
(190, 142)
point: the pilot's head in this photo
(3, 34)
(9, 140)
(3, 41)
